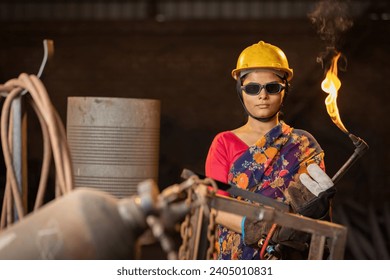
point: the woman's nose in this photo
(263, 94)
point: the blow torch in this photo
(331, 84)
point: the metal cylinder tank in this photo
(114, 142)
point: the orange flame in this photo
(331, 84)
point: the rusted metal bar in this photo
(337, 234)
(238, 192)
(317, 245)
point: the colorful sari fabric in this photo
(268, 167)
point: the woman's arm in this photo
(217, 163)
(229, 220)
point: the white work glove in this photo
(318, 181)
(311, 196)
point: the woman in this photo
(265, 155)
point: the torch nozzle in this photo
(360, 144)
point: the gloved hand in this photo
(311, 196)
(254, 230)
(318, 181)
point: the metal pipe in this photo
(17, 144)
(17, 123)
(360, 148)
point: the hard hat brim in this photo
(288, 71)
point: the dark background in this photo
(182, 53)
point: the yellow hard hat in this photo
(262, 56)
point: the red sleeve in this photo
(224, 150)
(217, 160)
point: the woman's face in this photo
(262, 105)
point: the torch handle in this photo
(361, 148)
(340, 173)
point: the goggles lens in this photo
(270, 88)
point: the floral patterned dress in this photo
(269, 167)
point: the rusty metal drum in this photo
(114, 142)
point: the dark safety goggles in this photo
(270, 88)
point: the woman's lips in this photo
(263, 106)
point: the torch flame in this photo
(331, 84)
